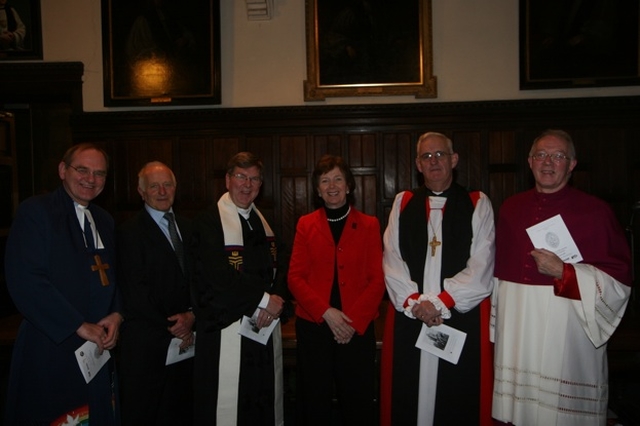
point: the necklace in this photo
(434, 241)
(341, 217)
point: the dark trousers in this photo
(326, 369)
(161, 397)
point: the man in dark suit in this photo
(157, 306)
(60, 274)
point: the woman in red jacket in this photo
(336, 277)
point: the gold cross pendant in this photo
(434, 243)
(101, 268)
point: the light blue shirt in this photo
(158, 217)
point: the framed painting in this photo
(161, 52)
(571, 44)
(21, 30)
(368, 48)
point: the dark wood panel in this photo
(471, 162)
(501, 186)
(492, 138)
(367, 199)
(293, 152)
(502, 147)
(399, 169)
(325, 144)
(362, 150)
(294, 198)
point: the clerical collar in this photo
(245, 213)
(437, 193)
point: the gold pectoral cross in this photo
(434, 243)
(101, 268)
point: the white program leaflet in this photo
(443, 341)
(249, 329)
(553, 235)
(90, 360)
(177, 354)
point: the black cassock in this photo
(235, 375)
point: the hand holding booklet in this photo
(249, 329)
(552, 234)
(177, 354)
(90, 360)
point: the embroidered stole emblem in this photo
(235, 260)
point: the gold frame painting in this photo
(161, 53)
(369, 48)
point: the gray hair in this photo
(560, 134)
(431, 134)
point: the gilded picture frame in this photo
(161, 53)
(368, 48)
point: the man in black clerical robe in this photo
(238, 276)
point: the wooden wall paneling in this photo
(362, 150)
(51, 136)
(363, 160)
(294, 196)
(503, 166)
(194, 171)
(471, 159)
(293, 152)
(604, 148)
(367, 201)
(125, 162)
(223, 148)
(398, 171)
(329, 143)
(502, 147)
(295, 187)
(380, 141)
(583, 174)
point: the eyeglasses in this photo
(84, 172)
(244, 178)
(557, 158)
(437, 155)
